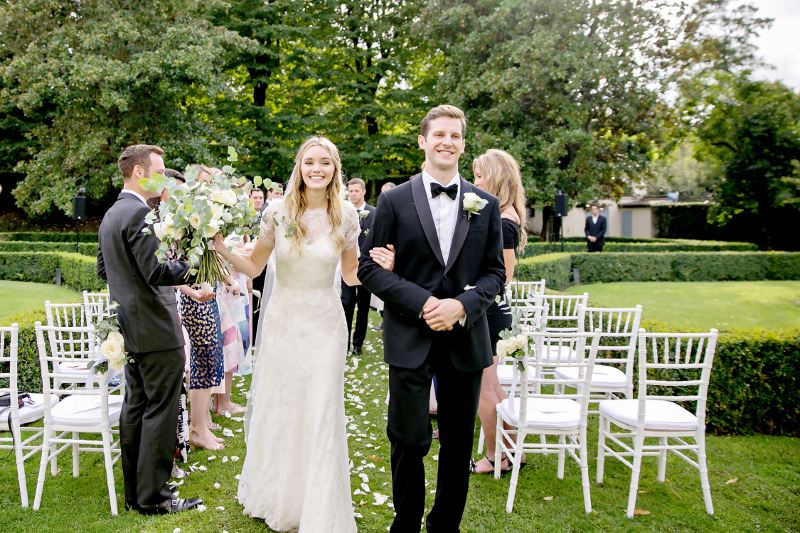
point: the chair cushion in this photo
(30, 413)
(84, 411)
(602, 376)
(659, 415)
(561, 354)
(543, 413)
(74, 367)
(505, 374)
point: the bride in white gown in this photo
(296, 473)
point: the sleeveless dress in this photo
(296, 473)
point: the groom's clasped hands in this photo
(442, 315)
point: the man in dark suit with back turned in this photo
(148, 318)
(448, 270)
(353, 297)
(595, 230)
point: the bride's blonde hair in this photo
(501, 177)
(295, 198)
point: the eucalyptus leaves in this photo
(197, 210)
(112, 345)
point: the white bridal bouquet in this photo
(196, 211)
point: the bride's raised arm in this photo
(251, 264)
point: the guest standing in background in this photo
(497, 173)
(353, 297)
(596, 226)
(257, 283)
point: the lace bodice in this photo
(314, 265)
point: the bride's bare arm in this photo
(350, 266)
(251, 264)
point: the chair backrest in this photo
(521, 292)
(619, 330)
(676, 358)
(51, 359)
(563, 310)
(531, 317)
(68, 332)
(95, 306)
(9, 342)
(65, 315)
(541, 384)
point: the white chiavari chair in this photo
(15, 419)
(539, 411)
(674, 360)
(619, 330)
(524, 292)
(68, 336)
(95, 305)
(85, 410)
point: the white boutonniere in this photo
(363, 214)
(473, 203)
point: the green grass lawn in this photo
(766, 496)
(704, 305)
(17, 296)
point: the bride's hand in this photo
(383, 256)
(219, 244)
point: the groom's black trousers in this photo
(410, 433)
(148, 425)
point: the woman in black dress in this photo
(497, 173)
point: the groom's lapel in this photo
(462, 228)
(425, 217)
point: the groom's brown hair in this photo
(439, 112)
(138, 154)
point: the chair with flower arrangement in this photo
(79, 347)
(672, 362)
(96, 306)
(619, 330)
(84, 410)
(524, 292)
(540, 411)
(21, 410)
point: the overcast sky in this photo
(780, 45)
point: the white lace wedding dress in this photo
(296, 475)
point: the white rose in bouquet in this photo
(116, 336)
(229, 197)
(502, 348)
(227, 218)
(195, 220)
(217, 211)
(206, 287)
(217, 196)
(158, 227)
(212, 229)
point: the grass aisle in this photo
(766, 496)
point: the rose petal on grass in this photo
(730, 481)
(640, 512)
(220, 508)
(217, 485)
(234, 458)
(547, 498)
(200, 508)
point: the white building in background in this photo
(630, 217)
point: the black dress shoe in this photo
(131, 507)
(175, 505)
(379, 327)
(356, 350)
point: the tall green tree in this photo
(568, 87)
(751, 131)
(117, 73)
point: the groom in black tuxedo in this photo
(448, 269)
(148, 318)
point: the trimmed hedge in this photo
(29, 373)
(677, 266)
(754, 385)
(539, 248)
(555, 268)
(47, 237)
(87, 248)
(78, 271)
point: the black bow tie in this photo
(451, 191)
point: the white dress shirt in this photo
(444, 212)
(136, 194)
(594, 219)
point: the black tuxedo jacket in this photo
(366, 224)
(403, 218)
(596, 230)
(143, 287)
